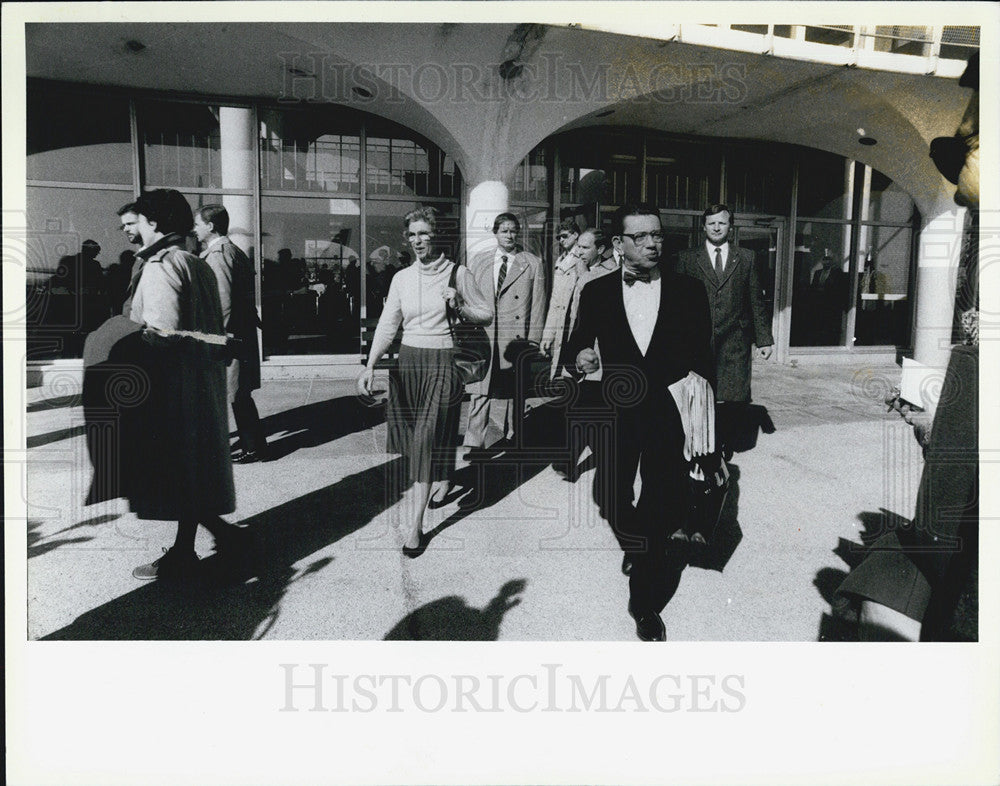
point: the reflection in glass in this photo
(759, 180)
(388, 251)
(76, 137)
(531, 180)
(763, 242)
(600, 166)
(310, 151)
(181, 144)
(77, 266)
(400, 162)
(681, 175)
(883, 305)
(680, 232)
(820, 299)
(311, 286)
(888, 203)
(824, 185)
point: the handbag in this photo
(707, 491)
(533, 368)
(473, 351)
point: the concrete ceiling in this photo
(442, 80)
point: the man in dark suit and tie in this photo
(654, 328)
(740, 316)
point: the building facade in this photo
(319, 138)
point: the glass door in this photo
(765, 240)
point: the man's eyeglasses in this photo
(564, 235)
(639, 238)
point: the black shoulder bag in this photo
(472, 345)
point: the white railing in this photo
(940, 50)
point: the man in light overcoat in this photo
(514, 279)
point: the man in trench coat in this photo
(514, 278)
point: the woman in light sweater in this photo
(425, 392)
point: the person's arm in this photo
(581, 340)
(385, 332)
(761, 318)
(473, 306)
(552, 319)
(221, 260)
(537, 316)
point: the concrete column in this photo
(937, 270)
(237, 138)
(486, 200)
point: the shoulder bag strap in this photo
(449, 311)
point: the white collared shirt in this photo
(724, 248)
(642, 306)
(498, 262)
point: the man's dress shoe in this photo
(648, 626)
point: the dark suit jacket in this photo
(740, 316)
(680, 342)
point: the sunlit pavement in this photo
(534, 562)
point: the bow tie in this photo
(630, 278)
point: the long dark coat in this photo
(740, 315)
(168, 414)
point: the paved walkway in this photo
(535, 562)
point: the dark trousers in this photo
(730, 425)
(248, 425)
(650, 440)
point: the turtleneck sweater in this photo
(414, 301)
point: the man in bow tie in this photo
(653, 327)
(740, 317)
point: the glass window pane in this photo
(70, 294)
(315, 150)
(823, 185)
(883, 303)
(681, 175)
(181, 144)
(530, 181)
(401, 162)
(397, 166)
(311, 285)
(76, 137)
(600, 167)
(888, 202)
(533, 222)
(820, 298)
(680, 232)
(759, 180)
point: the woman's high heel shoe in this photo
(439, 493)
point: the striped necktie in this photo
(503, 274)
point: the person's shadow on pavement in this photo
(316, 424)
(451, 619)
(210, 605)
(756, 421)
(722, 544)
(504, 469)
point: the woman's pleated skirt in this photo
(425, 396)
